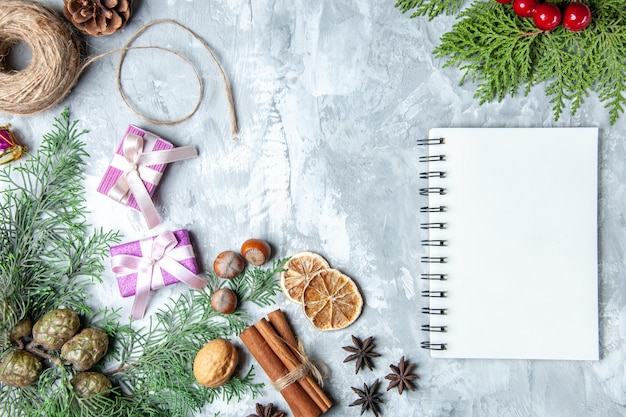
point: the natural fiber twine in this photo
(56, 63)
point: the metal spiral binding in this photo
(432, 158)
(434, 294)
(433, 346)
(432, 225)
(438, 209)
(428, 191)
(432, 174)
(434, 242)
(435, 311)
(438, 329)
(434, 277)
(432, 190)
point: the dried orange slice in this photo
(298, 271)
(331, 300)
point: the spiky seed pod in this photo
(23, 328)
(19, 368)
(86, 348)
(86, 384)
(55, 328)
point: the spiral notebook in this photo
(510, 237)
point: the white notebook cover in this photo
(521, 234)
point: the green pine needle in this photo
(48, 260)
(506, 55)
(47, 256)
(430, 8)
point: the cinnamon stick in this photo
(299, 402)
(287, 354)
(282, 327)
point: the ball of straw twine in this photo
(55, 65)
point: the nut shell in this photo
(224, 300)
(55, 328)
(228, 264)
(86, 348)
(215, 363)
(19, 368)
(256, 251)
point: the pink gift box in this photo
(128, 283)
(112, 174)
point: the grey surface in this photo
(331, 96)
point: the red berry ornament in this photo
(576, 17)
(547, 16)
(504, 1)
(525, 8)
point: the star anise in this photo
(266, 411)
(363, 352)
(369, 398)
(401, 377)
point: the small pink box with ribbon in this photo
(136, 170)
(148, 264)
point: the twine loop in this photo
(56, 63)
(306, 367)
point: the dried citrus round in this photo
(331, 300)
(298, 271)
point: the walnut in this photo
(98, 17)
(215, 363)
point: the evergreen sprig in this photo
(506, 55)
(430, 8)
(48, 258)
(153, 365)
(257, 285)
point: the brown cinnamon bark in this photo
(299, 401)
(276, 334)
(282, 327)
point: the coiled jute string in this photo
(57, 61)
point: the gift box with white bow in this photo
(149, 264)
(136, 170)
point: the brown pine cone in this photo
(98, 17)
(55, 328)
(87, 384)
(19, 368)
(23, 328)
(86, 348)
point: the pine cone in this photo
(90, 383)
(98, 17)
(55, 328)
(19, 368)
(22, 329)
(86, 348)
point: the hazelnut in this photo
(224, 300)
(256, 251)
(215, 363)
(228, 264)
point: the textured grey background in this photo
(331, 96)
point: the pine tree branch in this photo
(430, 8)
(502, 53)
(47, 257)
